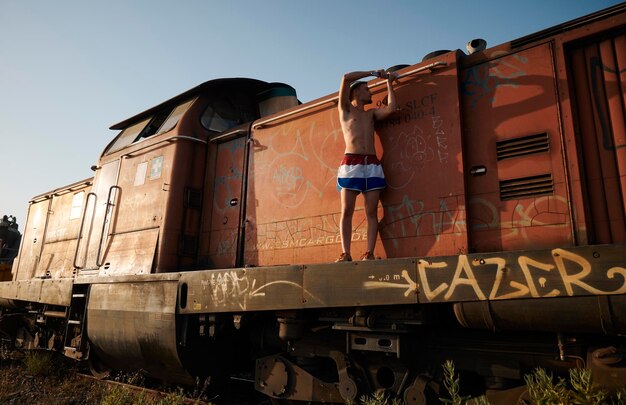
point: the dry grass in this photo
(58, 386)
(43, 378)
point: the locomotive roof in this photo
(252, 86)
(568, 25)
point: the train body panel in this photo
(203, 246)
(51, 233)
(597, 68)
(294, 170)
(145, 332)
(520, 200)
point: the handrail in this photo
(335, 99)
(290, 113)
(422, 68)
(171, 139)
(82, 224)
(104, 222)
(229, 134)
(62, 190)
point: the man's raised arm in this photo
(348, 79)
(385, 111)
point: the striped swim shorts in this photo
(360, 173)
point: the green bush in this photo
(543, 389)
(39, 363)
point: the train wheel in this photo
(97, 368)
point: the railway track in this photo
(150, 393)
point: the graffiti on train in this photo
(566, 273)
(238, 288)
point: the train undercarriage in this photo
(337, 356)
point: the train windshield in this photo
(161, 122)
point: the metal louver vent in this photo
(525, 145)
(526, 187)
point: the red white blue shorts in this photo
(360, 173)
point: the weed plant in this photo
(39, 363)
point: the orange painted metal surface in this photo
(599, 72)
(51, 233)
(293, 206)
(513, 131)
(227, 202)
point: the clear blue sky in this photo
(71, 68)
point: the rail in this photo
(63, 190)
(171, 139)
(108, 214)
(229, 134)
(334, 99)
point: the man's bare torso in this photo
(358, 131)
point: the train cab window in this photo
(127, 136)
(153, 126)
(174, 117)
(163, 121)
(222, 115)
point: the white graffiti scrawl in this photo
(229, 288)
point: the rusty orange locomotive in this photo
(204, 244)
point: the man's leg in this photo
(371, 212)
(348, 201)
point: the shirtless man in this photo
(360, 170)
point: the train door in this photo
(226, 231)
(598, 69)
(33, 239)
(98, 218)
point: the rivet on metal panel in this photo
(596, 255)
(237, 321)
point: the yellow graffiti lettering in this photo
(501, 263)
(521, 289)
(622, 272)
(463, 266)
(422, 265)
(524, 263)
(560, 255)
